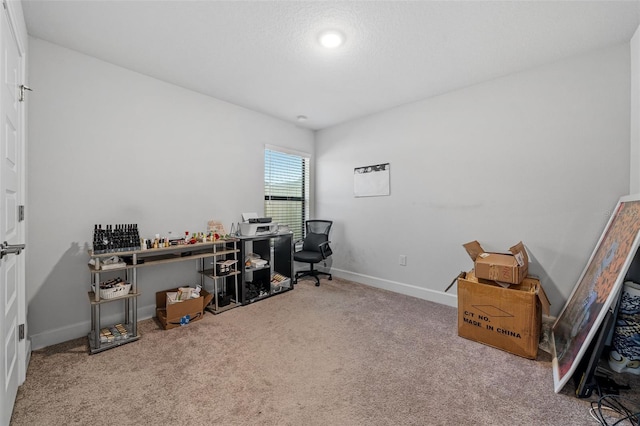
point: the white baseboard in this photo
(398, 287)
(27, 360)
(81, 329)
(28, 354)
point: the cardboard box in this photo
(180, 313)
(505, 318)
(509, 268)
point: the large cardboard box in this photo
(180, 313)
(509, 267)
(507, 318)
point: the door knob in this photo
(7, 248)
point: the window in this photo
(286, 189)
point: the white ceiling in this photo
(264, 55)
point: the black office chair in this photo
(315, 249)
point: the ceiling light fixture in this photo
(302, 118)
(331, 39)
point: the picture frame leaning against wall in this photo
(596, 290)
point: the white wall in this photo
(107, 145)
(539, 156)
(634, 155)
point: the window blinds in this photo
(286, 189)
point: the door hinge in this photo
(20, 213)
(22, 89)
(21, 332)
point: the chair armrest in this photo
(325, 249)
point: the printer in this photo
(252, 225)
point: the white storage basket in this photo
(113, 292)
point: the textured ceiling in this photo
(265, 56)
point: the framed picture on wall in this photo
(596, 290)
(371, 181)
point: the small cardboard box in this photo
(505, 318)
(180, 313)
(509, 268)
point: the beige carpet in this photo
(338, 354)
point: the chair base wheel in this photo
(315, 274)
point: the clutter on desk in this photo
(159, 241)
(126, 238)
(216, 227)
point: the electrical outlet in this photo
(403, 260)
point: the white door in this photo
(12, 266)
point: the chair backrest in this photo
(319, 227)
(317, 233)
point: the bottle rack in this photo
(115, 238)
